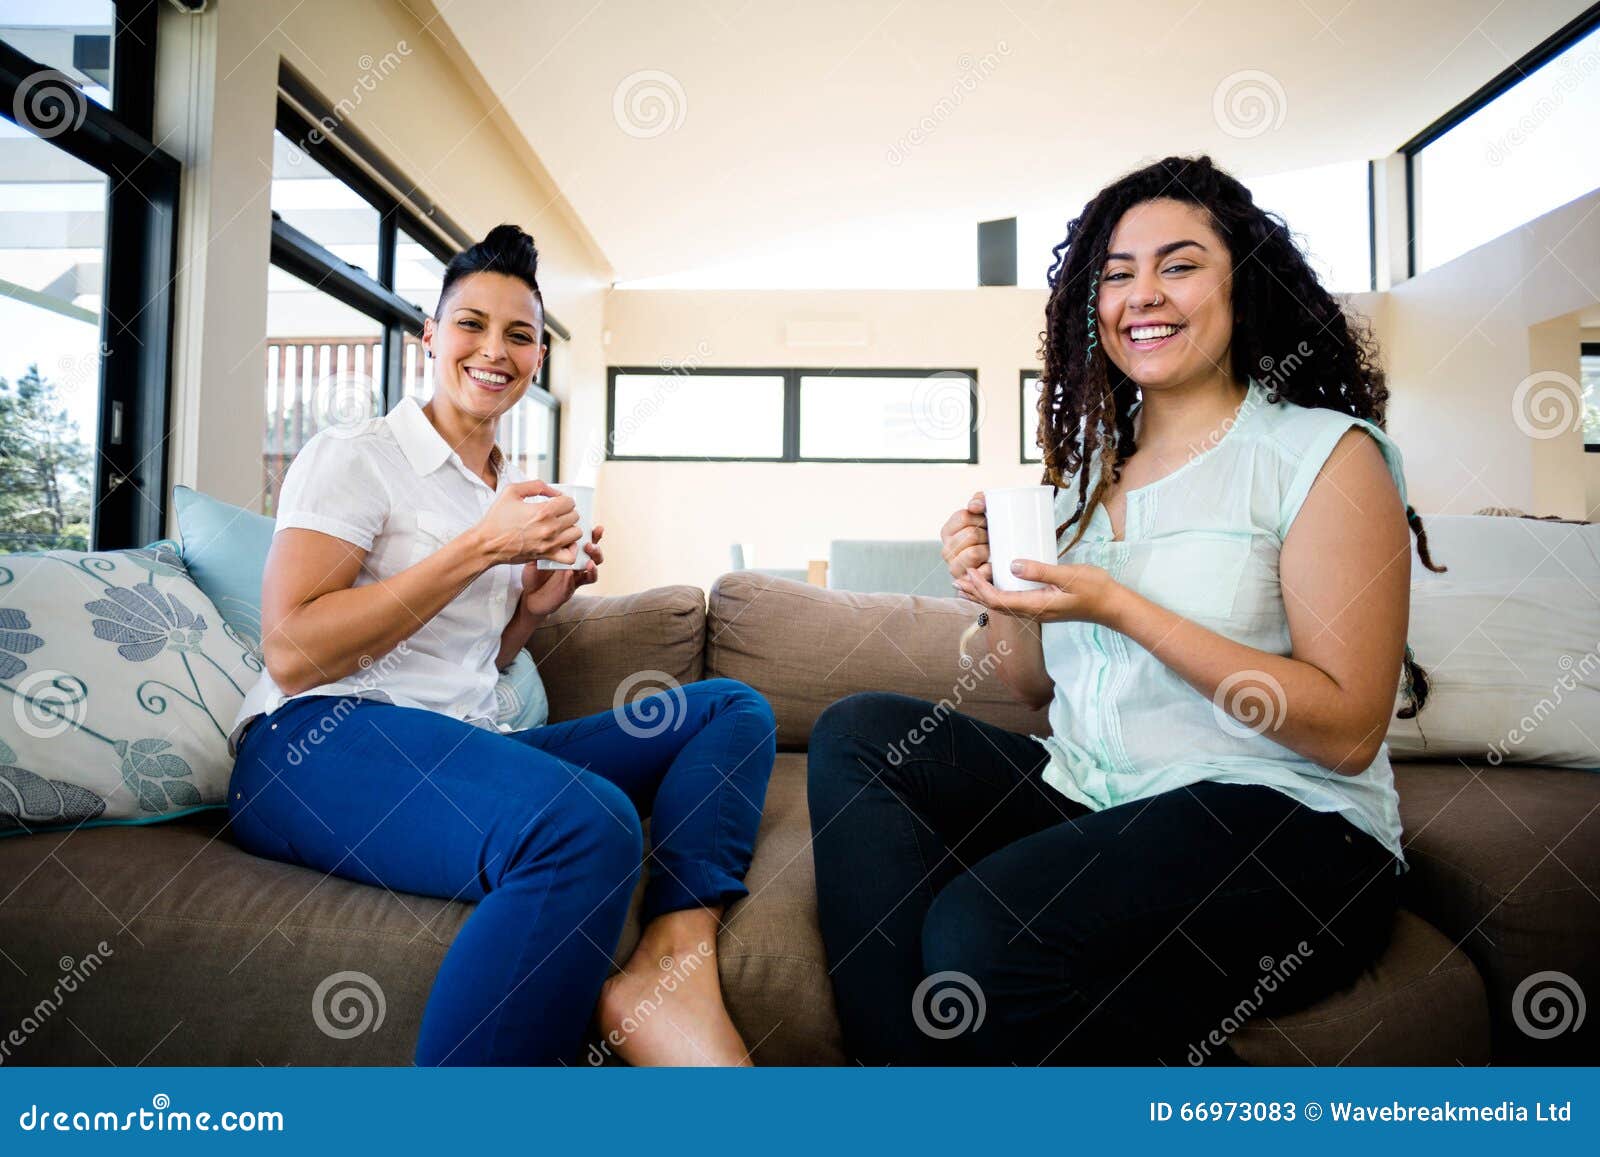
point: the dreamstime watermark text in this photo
(74, 974)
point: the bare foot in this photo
(665, 1006)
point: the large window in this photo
(889, 416)
(1520, 148)
(84, 342)
(731, 414)
(357, 262)
(792, 415)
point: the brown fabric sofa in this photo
(216, 955)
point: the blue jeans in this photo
(540, 827)
(974, 914)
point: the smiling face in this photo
(1166, 303)
(487, 344)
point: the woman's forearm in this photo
(327, 638)
(1291, 702)
(1019, 657)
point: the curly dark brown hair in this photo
(1282, 317)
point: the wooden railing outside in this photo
(312, 382)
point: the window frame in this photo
(1588, 349)
(1508, 78)
(140, 252)
(310, 125)
(1023, 378)
(791, 376)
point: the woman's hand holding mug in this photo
(544, 591)
(965, 539)
(515, 530)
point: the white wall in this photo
(217, 94)
(1459, 340)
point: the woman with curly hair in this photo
(1211, 830)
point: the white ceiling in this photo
(790, 119)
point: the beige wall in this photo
(217, 89)
(1459, 340)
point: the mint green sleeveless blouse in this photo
(1203, 542)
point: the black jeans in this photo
(974, 915)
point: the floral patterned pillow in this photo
(122, 679)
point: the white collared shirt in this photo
(393, 487)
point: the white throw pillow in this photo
(1513, 671)
(122, 679)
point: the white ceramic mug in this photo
(583, 496)
(1021, 525)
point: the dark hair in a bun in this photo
(506, 249)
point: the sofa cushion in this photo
(225, 548)
(1421, 1003)
(597, 650)
(804, 647)
(1478, 548)
(1513, 671)
(1506, 863)
(520, 701)
(214, 956)
(123, 680)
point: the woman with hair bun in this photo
(401, 581)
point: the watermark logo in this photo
(1274, 973)
(373, 71)
(344, 401)
(1547, 404)
(74, 974)
(74, 371)
(667, 383)
(675, 972)
(371, 678)
(945, 405)
(1576, 675)
(659, 707)
(1250, 703)
(1548, 1004)
(1572, 75)
(49, 703)
(1249, 103)
(649, 103)
(347, 1004)
(507, 700)
(973, 72)
(49, 103)
(973, 674)
(948, 1004)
